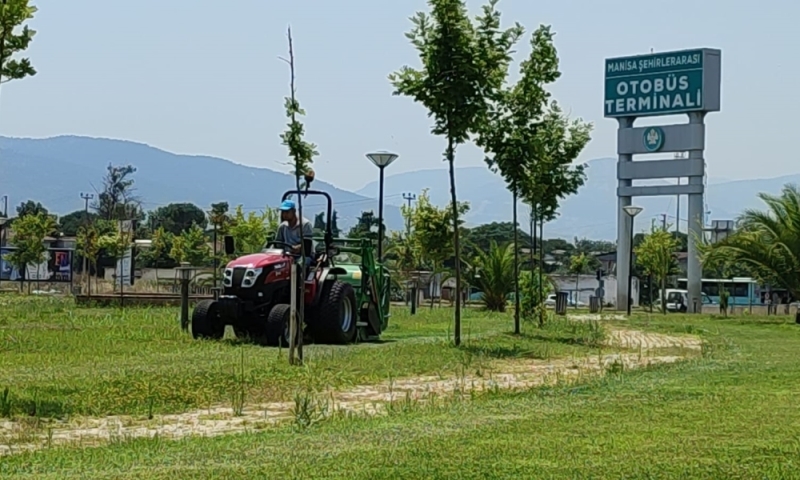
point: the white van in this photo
(678, 300)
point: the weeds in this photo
(5, 403)
(307, 411)
(238, 394)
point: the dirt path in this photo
(21, 435)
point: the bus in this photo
(741, 290)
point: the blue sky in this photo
(203, 77)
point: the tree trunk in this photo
(456, 239)
(541, 267)
(534, 242)
(516, 265)
(663, 295)
(577, 285)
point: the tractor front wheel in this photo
(206, 322)
(277, 328)
(337, 318)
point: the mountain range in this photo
(55, 170)
(591, 213)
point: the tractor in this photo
(344, 302)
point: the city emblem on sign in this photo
(653, 139)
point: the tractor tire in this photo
(276, 332)
(206, 323)
(337, 316)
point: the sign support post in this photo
(624, 226)
(658, 84)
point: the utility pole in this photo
(664, 221)
(86, 197)
(409, 197)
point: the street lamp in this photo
(381, 160)
(632, 211)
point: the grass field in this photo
(727, 411)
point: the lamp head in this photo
(633, 210)
(382, 159)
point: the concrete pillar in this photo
(624, 226)
(694, 269)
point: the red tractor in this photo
(257, 288)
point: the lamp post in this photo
(632, 211)
(3, 221)
(381, 160)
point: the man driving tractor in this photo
(289, 231)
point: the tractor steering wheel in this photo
(284, 245)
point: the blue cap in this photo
(287, 205)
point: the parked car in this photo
(678, 300)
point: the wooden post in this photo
(293, 314)
(185, 270)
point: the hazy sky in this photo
(202, 77)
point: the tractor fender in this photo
(323, 278)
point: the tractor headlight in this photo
(227, 277)
(250, 276)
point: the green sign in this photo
(653, 139)
(662, 84)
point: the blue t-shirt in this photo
(291, 235)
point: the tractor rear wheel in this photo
(206, 322)
(337, 318)
(277, 328)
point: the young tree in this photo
(13, 14)
(115, 245)
(530, 141)
(509, 132)
(579, 265)
(302, 154)
(191, 246)
(88, 247)
(29, 233)
(433, 233)
(252, 230)
(656, 256)
(462, 65)
(118, 200)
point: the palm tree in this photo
(768, 241)
(497, 275)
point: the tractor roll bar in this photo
(329, 213)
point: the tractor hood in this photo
(258, 260)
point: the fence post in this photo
(186, 271)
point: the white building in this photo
(584, 286)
